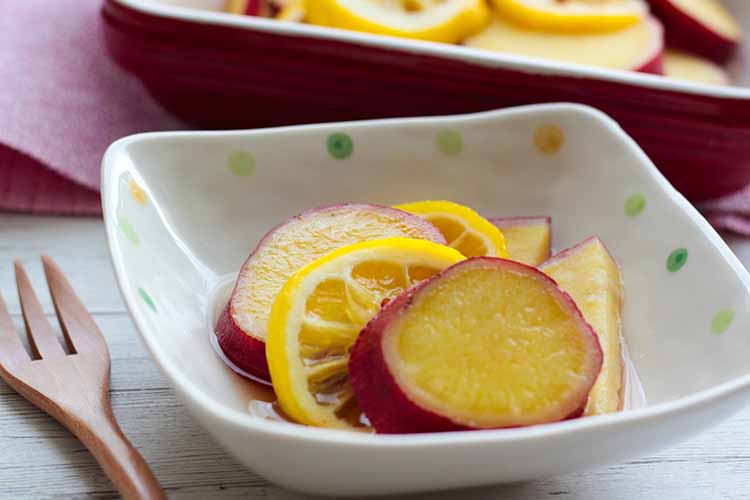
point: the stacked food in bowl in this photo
(426, 317)
(684, 39)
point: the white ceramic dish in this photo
(182, 211)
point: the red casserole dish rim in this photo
(448, 51)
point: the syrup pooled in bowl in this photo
(262, 401)
(263, 404)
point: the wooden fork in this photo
(72, 388)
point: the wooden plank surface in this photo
(40, 460)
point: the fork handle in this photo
(119, 459)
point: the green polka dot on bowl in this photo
(722, 321)
(677, 260)
(241, 163)
(635, 204)
(128, 230)
(340, 145)
(147, 299)
(449, 142)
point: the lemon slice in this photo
(319, 313)
(291, 10)
(579, 16)
(437, 20)
(463, 228)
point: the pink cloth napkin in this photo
(730, 213)
(62, 102)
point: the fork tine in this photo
(11, 347)
(42, 338)
(80, 330)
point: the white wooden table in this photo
(39, 459)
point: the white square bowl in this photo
(183, 210)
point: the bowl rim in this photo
(448, 51)
(254, 424)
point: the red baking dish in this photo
(219, 70)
